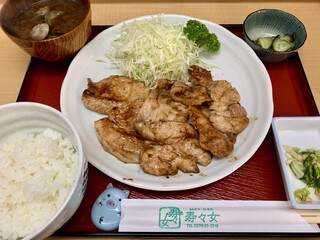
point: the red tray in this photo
(257, 179)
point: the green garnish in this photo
(302, 194)
(297, 168)
(305, 164)
(199, 33)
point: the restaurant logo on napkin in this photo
(174, 218)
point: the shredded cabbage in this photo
(152, 49)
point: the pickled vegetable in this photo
(277, 43)
(305, 164)
(265, 42)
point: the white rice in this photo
(37, 172)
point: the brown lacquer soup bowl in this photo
(51, 30)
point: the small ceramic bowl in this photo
(32, 118)
(58, 48)
(273, 22)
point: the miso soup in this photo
(48, 19)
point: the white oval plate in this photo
(236, 62)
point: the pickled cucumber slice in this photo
(276, 43)
(280, 45)
(265, 42)
(287, 38)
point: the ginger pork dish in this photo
(170, 127)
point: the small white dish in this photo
(302, 132)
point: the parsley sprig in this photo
(199, 33)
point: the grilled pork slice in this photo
(163, 88)
(211, 139)
(226, 113)
(191, 147)
(232, 120)
(155, 110)
(165, 132)
(199, 75)
(164, 160)
(222, 91)
(189, 95)
(125, 117)
(114, 91)
(125, 147)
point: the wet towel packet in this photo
(143, 215)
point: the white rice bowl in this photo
(43, 172)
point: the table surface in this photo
(14, 62)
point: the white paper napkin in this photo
(143, 215)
